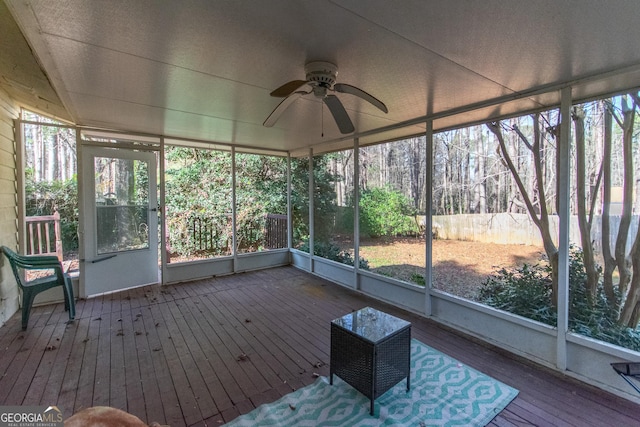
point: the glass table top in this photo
(371, 324)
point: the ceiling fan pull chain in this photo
(321, 120)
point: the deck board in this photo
(135, 402)
(202, 353)
(26, 359)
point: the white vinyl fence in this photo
(509, 228)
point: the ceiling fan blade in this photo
(339, 114)
(288, 88)
(345, 88)
(283, 105)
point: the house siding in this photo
(9, 301)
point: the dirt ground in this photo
(458, 267)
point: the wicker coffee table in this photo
(371, 351)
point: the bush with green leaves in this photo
(385, 212)
(199, 200)
(333, 252)
(526, 291)
(324, 199)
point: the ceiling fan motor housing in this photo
(322, 72)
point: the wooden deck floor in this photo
(201, 353)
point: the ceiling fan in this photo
(321, 81)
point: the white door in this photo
(120, 215)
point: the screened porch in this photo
(482, 184)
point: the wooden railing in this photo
(43, 235)
(208, 234)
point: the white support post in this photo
(162, 211)
(311, 219)
(18, 130)
(234, 250)
(356, 213)
(82, 250)
(289, 207)
(563, 238)
(428, 223)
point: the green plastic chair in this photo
(33, 287)
(628, 370)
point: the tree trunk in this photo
(609, 261)
(364, 169)
(628, 277)
(416, 176)
(381, 166)
(465, 172)
(584, 223)
(338, 184)
(482, 178)
(40, 156)
(622, 261)
(630, 314)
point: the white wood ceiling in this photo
(203, 69)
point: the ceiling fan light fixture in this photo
(320, 91)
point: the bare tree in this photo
(628, 266)
(584, 219)
(416, 167)
(479, 182)
(608, 259)
(539, 214)
(623, 263)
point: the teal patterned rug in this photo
(443, 392)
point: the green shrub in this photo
(333, 252)
(385, 212)
(526, 291)
(418, 279)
